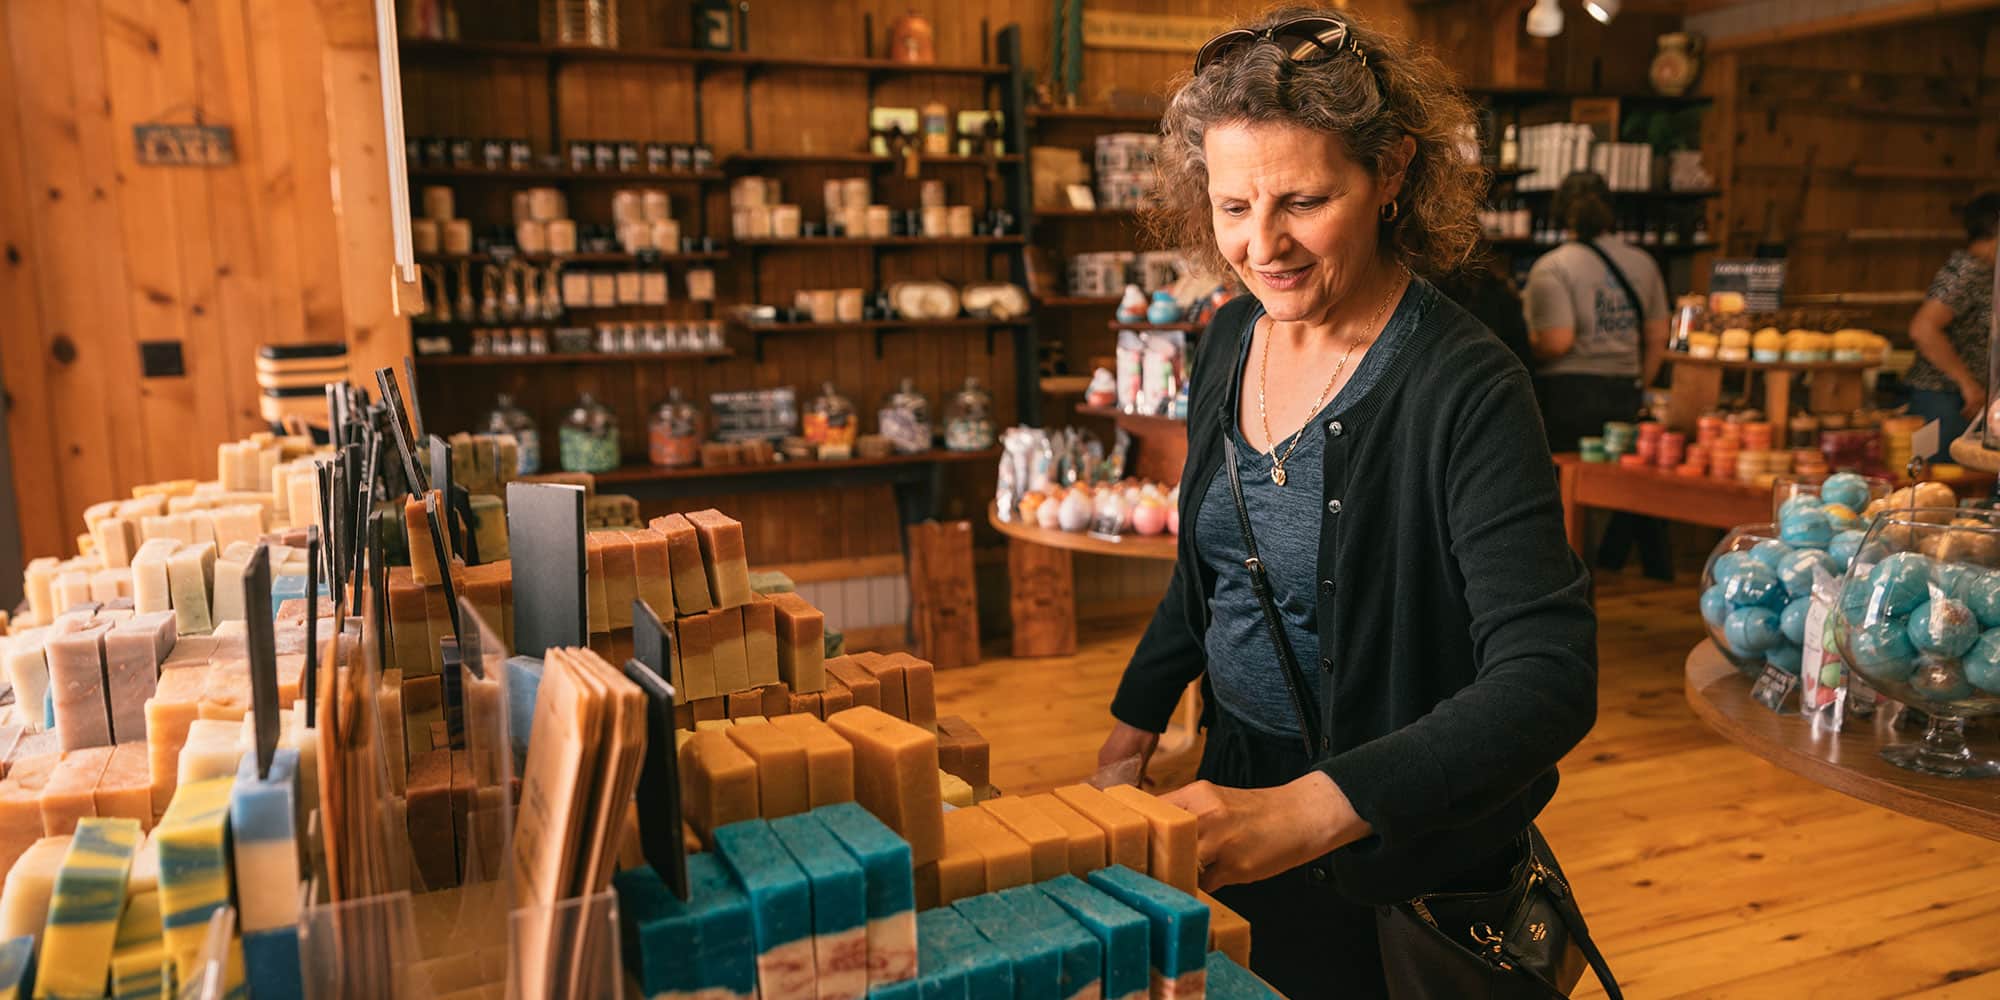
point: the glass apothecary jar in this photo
(673, 436)
(589, 437)
(905, 419)
(968, 421)
(506, 418)
(830, 419)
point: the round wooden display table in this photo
(1848, 762)
(1041, 585)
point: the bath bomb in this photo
(1901, 582)
(1883, 651)
(1714, 606)
(1727, 564)
(1792, 621)
(1943, 626)
(1941, 678)
(1808, 528)
(1842, 518)
(1752, 630)
(1769, 552)
(1981, 593)
(1797, 571)
(1846, 489)
(1843, 547)
(1785, 658)
(1982, 663)
(1797, 504)
(1754, 585)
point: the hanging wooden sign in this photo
(162, 145)
(1106, 29)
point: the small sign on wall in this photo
(163, 145)
(1104, 29)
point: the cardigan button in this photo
(1333, 506)
(1319, 873)
(1326, 588)
(1334, 429)
(1326, 664)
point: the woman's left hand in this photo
(1247, 835)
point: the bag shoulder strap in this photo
(1295, 679)
(1618, 275)
(1565, 904)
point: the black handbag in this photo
(1526, 940)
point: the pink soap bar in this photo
(131, 673)
(76, 685)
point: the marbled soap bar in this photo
(24, 901)
(1123, 932)
(1171, 829)
(1178, 924)
(71, 794)
(780, 908)
(891, 894)
(263, 815)
(84, 907)
(1080, 958)
(1036, 959)
(1126, 833)
(139, 953)
(17, 967)
(801, 632)
(702, 947)
(895, 777)
(839, 907)
(76, 688)
(194, 870)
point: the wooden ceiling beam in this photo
(1749, 23)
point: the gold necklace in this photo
(1278, 458)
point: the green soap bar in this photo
(1179, 921)
(1229, 981)
(837, 882)
(939, 977)
(988, 973)
(908, 989)
(1082, 958)
(1123, 932)
(884, 856)
(1036, 959)
(703, 943)
(770, 581)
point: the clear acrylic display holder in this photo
(362, 948)
(211, 978)
(568, 951)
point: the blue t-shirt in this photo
(1243, 667)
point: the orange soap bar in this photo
(409, 623)
(732, 667)
(1085, 839)
(782, 785)
(744, 703)
(969, 751)
(417, 532)
(1172, 855)
(684, 564)
(836, 698)
(895, 777)
(866, 689)
(1228, 932)
(21, 804)
(71, 793)
(1048, 842)
(649, 569)
(889, 674)
(723, 557)
(801, 630)
(126, 786)
(719, 784)
(1126, 833)
(829, 759)
(596, 596)
(919, 690)
(708, 710)
(226, 695)
(695, 638)
(760, 640)
(961, 871)
(777, 700)
(621, 578)
(172, 709)
(1008, 860)
(808, 704)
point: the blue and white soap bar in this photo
(839, 909)
(780, 908)
(263, 831)
(1124, 934)
(892, 895)
(1178, 958)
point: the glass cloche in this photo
(905, 419)
(589, 437)
(507, 418)
(673, 435)
(968, 421)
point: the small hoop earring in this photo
(1391, 211)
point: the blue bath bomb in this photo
(1714, 606)
(1798, 503)
(1854, 597)
(1752, 630)
(1807, 529)
(1785, 658)
(1727, 564)
(1982, 663)
(1953, 578)
(1940, 678)
(1981, 593)
(1846, 489)
(1943, 626)
(1901, 582)
(1797, 572)
(1844, 519)
(1843, 547)
(1770, 552)
(1792, 620)
(1883, 651)
(1754, 584)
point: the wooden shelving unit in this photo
(1110, 115)
(860, 242)
(793, 467)
(1160, 327)
(576, 258)
(561, 360)
(1077, 301)
(736, 160)
(579, 176)
(426, 51)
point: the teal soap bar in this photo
(883, 856)
(908, 989)
(780, 907)
(1179, 922)
(1081, 956)
(1229, 981)
(839, 913)
(989, 975)
(271, 966)
(1036, 959)
(939, 976)
(1124, 933)
(703, 943)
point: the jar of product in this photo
(589, 438)
(831, 420)
(906, 419)
(673, 436)
(1690, 317)
(968, 421)
(507, 418)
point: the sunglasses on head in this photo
(1304, 41)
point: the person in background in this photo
(1950, 330)
(1597, 324)
(1482, 288)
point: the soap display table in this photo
(1161, 441)
(1831, 386)
(916, 478)
(1041, 587)
(1848, 762)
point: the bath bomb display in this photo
(1796, 573)
(1792, 621)
(1901, 582)
(1981, 593)
(1770, 552)
(1982, 663)
(1805, 528)
(1953, 577)
(1843, 518)
(1729, 564)
(1846, 489)
(1801, 502)
(1943, 626)
(1755, 584)
(1940, 678)
(1714, 606)
(1785, 658)
(1883, 651)
(1843, 547)
(1752, 630)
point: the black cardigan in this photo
(1455, 624)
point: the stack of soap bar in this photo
(719, 783)
(138, 955)
(895, 777)
(1036, 959)
(801, 632)
(723, 557)
(839, 906)
(21, 805)
(84, 907)
(76, 686)
(829, 758)
(1179, 929)
(1080, 956)
(1171, 851)
(691, 595)
(1048, 842)
(71, 794)
(780, 908)
(1126, 833)
(701, 947)
(891, 900)
(889, 674)
(782, 784)
(24, 901)
(1084, 838)
(1124, 934)
(987, 973)
(861, 686)
(1228, 932)
(1228, 979)
(194, 871)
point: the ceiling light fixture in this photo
(1602, 10)
(1545, 19)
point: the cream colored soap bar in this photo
(190, 576)
(723, 557)
(151, 590)
(238, 525)
(107, 585)
(40, 579)
(229, 570)
(27, 668)
(684, 562)
(895, 777)
(210, 751)
(1171, 856)
(24, 902)
(131, 674)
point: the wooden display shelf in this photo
(1160, 546)
(1660, 249)
(1148, 420)
(1655, 194)
(1528, 95)
(1849, 761)
(795, 467)
(1933, 175)
(564, 174)
(1098, 114)
(1041, 579)
(1160, 327)
(1065, 385)
(881, 327)
(1790, 366)
(756, 158)
(1076, 301)
(416, 51)
(837, 242)
(1161, 442)
(1065, 212)
(1831, 386)
(576, 258)
(532, 360)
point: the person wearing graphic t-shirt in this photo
(1952, 327)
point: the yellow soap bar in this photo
(194, 870)
(1126, 834)
(732, 666)
(954, 790)
(895, 777)
(1048, 842)
(84, 908)
(719, 784)
(1171, 857)
(139, 951)
(1008, 862)
(1228, 932)
(782, 787)
(1085, 839)
(961, 871)
(829, 759)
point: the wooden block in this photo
(719, 784)
(888, 673)
(597, 593)
(723, 557)
(1171, 856)
(783, 788)
(650, 569)
(1042, 599)
(1048, 842)
(808, 704)
(862, 685)
(961, 871)
(1127, 835)
(1228, 932)
(760, 640)
(829, 758)
(694, 636)
(969, 749)
(919, 690)
(621, 582)
(895, 777)
(944, 604)
(777, 700)
(691, 596)
(801, 631)
(732, 668)
(742, 703)
(1085, 839)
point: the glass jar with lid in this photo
(506, 418)
(673, 436)
(1690, 317)
(905, 419)
(831, 421)
(968, 421)
(589, 437)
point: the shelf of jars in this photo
(853, 242)
(792, 467)
(614, 257)
(755, 158)
(576, 358)
(426, 51)
(428, 173)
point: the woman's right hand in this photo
(1125, 743)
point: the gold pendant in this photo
(1278, 474)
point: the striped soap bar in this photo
(1124, 933)
(263, 833)
(988, 974)
(84, 907)
(891, 897)
(194, 871)
(780, 908)
(1081, 975)
(1179, 929)
(17, 967)
(1036, 959)
(139, 955)
(940, 977)
(271, 966)
(679, 949)
(24, 902)
(839, 906)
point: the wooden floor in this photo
(1705, 871)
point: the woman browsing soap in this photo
(1950, 330)
(1389, 724)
